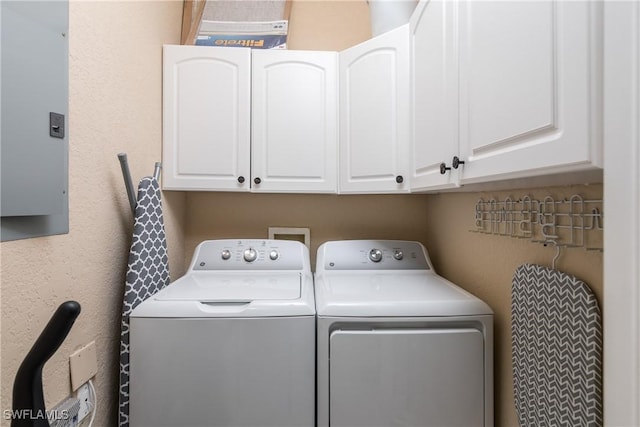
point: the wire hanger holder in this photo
(564, 223)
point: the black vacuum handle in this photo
(28, 396)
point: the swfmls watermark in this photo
(30, 414)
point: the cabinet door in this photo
(206, 118)
(374, 115)
(529, 90)
(434, 77)
(294, 121)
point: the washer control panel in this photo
(373, 255)
(249, 255)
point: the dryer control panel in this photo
(250, 254)
(373, 255)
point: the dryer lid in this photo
(232, 287)
(393, 294)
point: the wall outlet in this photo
(83, 365)
(86, 403)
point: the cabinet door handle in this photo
(257, 181)
(457, 162)
(399, 179)
(241, 179)
(443, 168)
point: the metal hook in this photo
(479, 216)
(576, 199)
(555, 258)
(493, 216)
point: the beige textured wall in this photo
(328, 24)
(114, 106)
(330, 217)
(484, 265)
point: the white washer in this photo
(231, 343)
(398, 345)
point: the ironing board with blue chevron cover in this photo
(147, 273)
(556, 349)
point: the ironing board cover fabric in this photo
(556, 349)
(147, 273)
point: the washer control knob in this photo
(226, 254)
(375, 255)
(398, 255)
(250, 255)
(274, 255)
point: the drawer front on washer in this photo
(406, 377)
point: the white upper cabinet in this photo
(434, 94)
(294, 121)
(511, 89)
(375, 115)
(207, 95)
(243, 120)
(530, 87)
(468, 92)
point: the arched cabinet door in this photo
(294, 121)
(206, 118)
(374, 114)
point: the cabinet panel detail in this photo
(201, 116)
(374, 111)
(374, 74)
(206, 118)
(435, 137)
(530, 88)
(286, 128)
(294, 121)
(505, 73)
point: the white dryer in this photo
(231, 343)
(397, 344)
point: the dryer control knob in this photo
(226, 254)
(398, 255)
(250, 255)
(274, 255)
(375, 255)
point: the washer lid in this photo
(393, 294)
(232, 287)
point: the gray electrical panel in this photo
(34, 118)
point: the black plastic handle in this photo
(399, 179)
(28, 396)
(257, 181)
(241, 179)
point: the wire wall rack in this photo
(571, 223)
